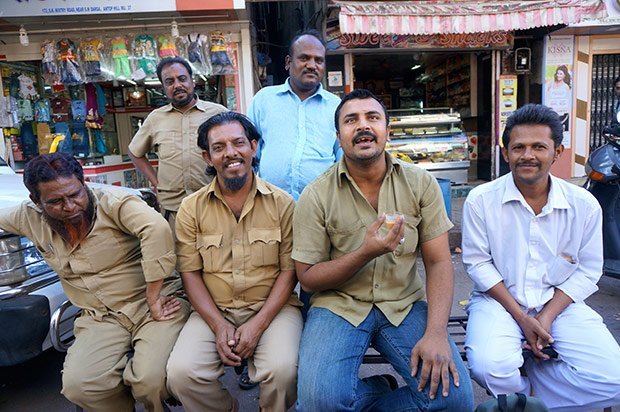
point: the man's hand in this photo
(164, 307)
(376, 244)
(225, 342)
(536, 334)
(247, 336)
(437, 364)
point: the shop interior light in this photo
(23, 36)
(174, 29)
(416, 66)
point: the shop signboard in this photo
(337, 41)
(558, 87)
(20, 8)
(507, 103)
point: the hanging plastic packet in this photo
(91, 53)
(49, 66)
(193, 48)
(69, 66)
(145, 57)
(167, 47)
(120, 57)
(81, 146)
(221, 59)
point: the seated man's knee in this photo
(322, 395)
(183, 371)
(488, 365)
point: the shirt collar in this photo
(286, 88)
(555, 199)
(393, 166)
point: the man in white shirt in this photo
(532, 244)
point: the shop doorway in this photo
(458, 82)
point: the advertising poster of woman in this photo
(558, 89)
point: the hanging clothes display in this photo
(120, 55)
(167, 48)
(27, 90)
(69, 67)
(42, 110)
(91, 56)
(94, 121)
(145, 53)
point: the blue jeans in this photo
(332, 351)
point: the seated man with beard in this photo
(115, 258)
(234, 242)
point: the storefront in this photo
(84, 83)
(441, 70)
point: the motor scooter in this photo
(603, 170)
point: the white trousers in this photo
(585, 376)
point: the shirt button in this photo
(376, 286)
(236, 241)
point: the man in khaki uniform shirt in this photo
(115, 258)
(364, 277)
(173, 128)
(234, 240)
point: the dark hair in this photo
(562, 68)
(308, 32)
(535, 114)
(48, 167)
(359, 94)
(168, 61)
(617, 80)
(224, 118)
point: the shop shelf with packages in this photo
(433, 138)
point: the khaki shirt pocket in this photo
(410, 244)
(167, 146)
(210, 249)
(264, 246)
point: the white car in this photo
(30, 291)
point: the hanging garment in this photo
(145, 53)
(120, 57)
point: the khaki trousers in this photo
(101, 373)
(195, 366)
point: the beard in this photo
(75, 230)
(183, 102)
(234, 184)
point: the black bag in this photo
(513, 403)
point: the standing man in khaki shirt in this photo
(234, 240)
(173, 128)
(115, 258)
(363, 273)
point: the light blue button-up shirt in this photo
(298, 138)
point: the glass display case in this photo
(433, 138)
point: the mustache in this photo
(311, 71)
(364, 133)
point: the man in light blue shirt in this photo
(296, 119)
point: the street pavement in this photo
(35, 385)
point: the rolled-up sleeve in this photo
(142, 141)
(134, 216)
(311, 243)
(477, 257)
(582, 283)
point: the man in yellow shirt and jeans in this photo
(234, 241)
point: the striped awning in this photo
(444, 17)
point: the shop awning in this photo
(444, 17)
